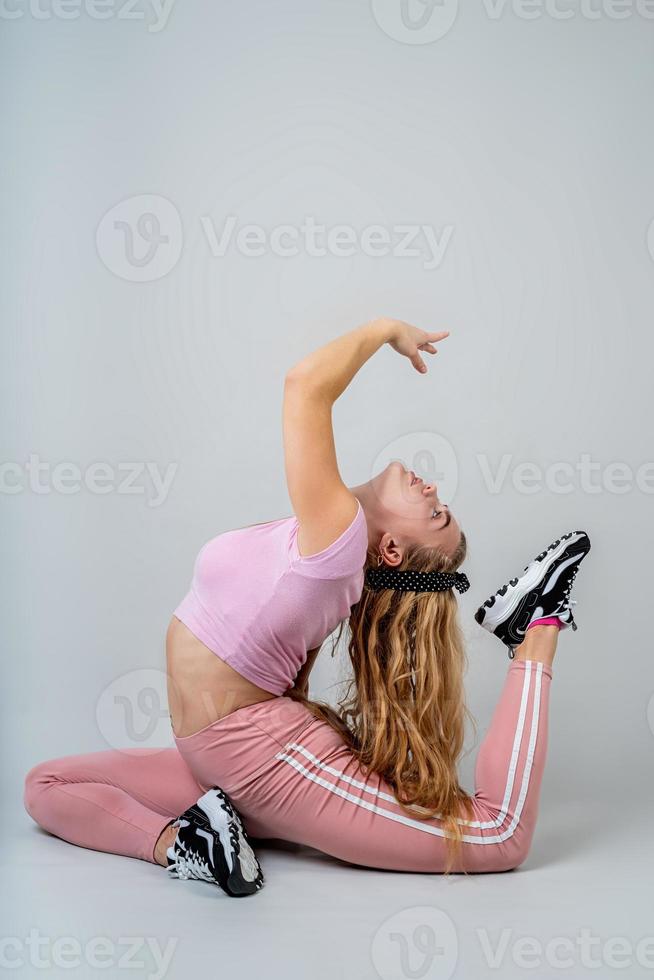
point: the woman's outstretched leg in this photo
(115, 801)
(292, 777)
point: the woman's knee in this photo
(512, 853)
(505, 856)
(37, 782)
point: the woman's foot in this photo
(210, 844)
(542, 591)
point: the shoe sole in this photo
(513, 604)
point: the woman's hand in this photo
(410, 341)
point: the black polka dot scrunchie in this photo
(410, 581)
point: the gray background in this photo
(531, 140)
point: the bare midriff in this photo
(202, 688)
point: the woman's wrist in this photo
(384, 328)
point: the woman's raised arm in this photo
(322, 503)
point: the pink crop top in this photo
(260, 606)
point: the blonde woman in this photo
(374, 783)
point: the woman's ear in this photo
(391, 550)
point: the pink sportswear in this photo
(260, 606)
(546, 621)
(293, 778)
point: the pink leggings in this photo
(292, 778)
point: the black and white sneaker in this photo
(542, 590)
(211, 845)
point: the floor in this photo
(581, 905)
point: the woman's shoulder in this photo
(343, 557)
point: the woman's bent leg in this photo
(115, 801)
(293, 778)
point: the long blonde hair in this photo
(404, 713)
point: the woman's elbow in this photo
(298, 376)
(303, 382)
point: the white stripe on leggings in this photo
(422, 825)
(475, 824)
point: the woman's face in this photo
(410, 509)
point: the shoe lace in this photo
(189, 863)
(567, 601)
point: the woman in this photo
(376, 783)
